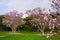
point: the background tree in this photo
(13, 20)
(1, 25)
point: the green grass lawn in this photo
(26, 35)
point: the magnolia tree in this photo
(56, 6)
(39, 19)
(58, 23)
(13, 20)
(54, 24)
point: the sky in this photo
(22, 5)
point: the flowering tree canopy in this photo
(39, 19)
(13, 20)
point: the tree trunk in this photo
(42, 32)
(13, 29)
(42, 29)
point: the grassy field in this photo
(26, 35)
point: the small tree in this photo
(13, 20)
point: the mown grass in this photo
(26, 35)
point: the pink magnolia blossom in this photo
(56, 5)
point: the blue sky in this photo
(22, 5)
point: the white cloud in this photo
(23, 5)
(19, 5)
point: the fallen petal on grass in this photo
(2, 36)
(14, 33)
(40, 34)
